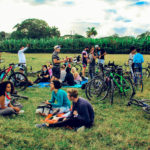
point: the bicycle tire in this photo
(96, 89)
(19, 80)
(87, 91)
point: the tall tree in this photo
(34, 28)
(144, 35)
(54, 32)
(91, 32)
(2, 35)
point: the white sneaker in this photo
(81, 129)
(21, 111)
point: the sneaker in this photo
(21, 111)
(43, 125)
(80, 129)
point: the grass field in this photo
(117, 127)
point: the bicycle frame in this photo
(8, 70)
(121, 79)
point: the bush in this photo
(111, 45)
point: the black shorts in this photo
(56, 72)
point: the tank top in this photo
(7, 100)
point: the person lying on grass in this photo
(6, 108)
(59, 100)
(82, 114)
(44, 76)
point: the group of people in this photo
(80, 115)
(95, 53)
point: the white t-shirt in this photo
(21, 55)
(62, 75)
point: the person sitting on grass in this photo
(59, 100)
(44, 76)
(81, 116)
(6, 108)
(69, 79)
(50, 70)
(63, 72)
(77, 78)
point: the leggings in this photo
(72, 122)
(7, 111)
(38, 80)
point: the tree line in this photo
(42, 38)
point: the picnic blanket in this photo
(46, 84)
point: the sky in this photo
(123, 17)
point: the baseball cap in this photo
(57, 47)
(96, 46)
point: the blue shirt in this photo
(61, 98)
(138, 58)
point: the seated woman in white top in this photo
(63, 72)
(6, 109)
(76, 75)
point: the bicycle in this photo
(19, 80)
(144, 103)
(111, 81)
(26, 72)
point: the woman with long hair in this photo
(6, 108)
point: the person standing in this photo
(138, 60)
(92, 58)
(56, 63)
(84, 60)
(97, 50)
(21, 56)
(102, 56)
(131, 56)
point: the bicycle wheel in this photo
(87, 91)
(98, 89)
(145, 73)
(128, 88)
(33, 74)
(19, 80)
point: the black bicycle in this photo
(144, 103)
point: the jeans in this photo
(101, 61)
(137, 70)
(92, 71)
(72, 122)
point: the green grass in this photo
(116, 127)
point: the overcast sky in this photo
(124, 17)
